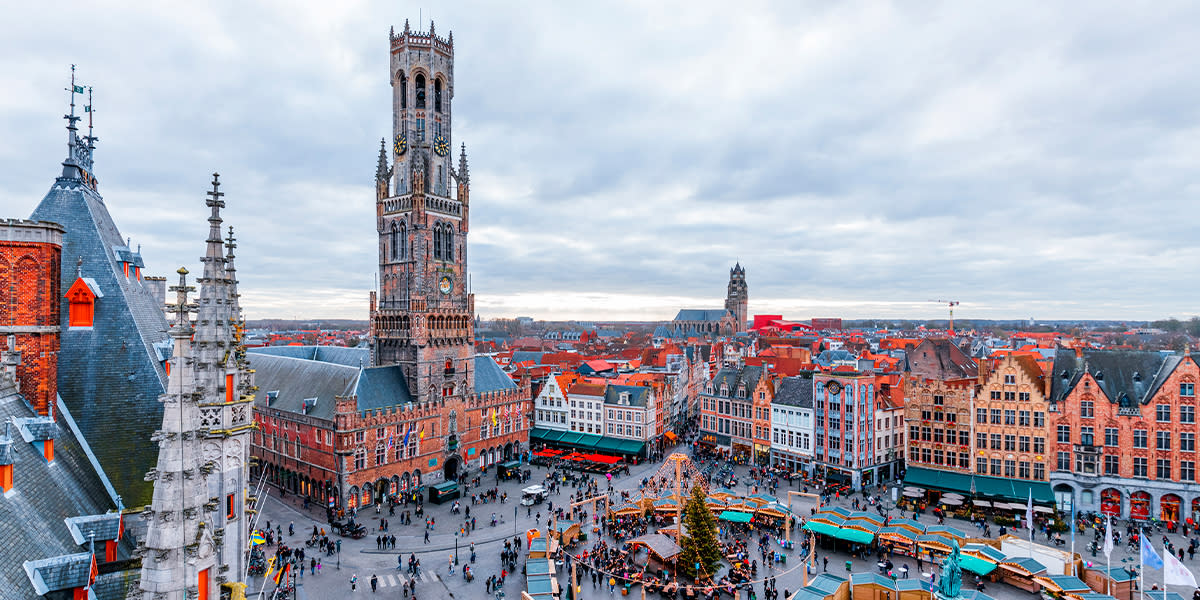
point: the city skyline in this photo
(858, 161)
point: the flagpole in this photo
(1142, 559)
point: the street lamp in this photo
(456, 549)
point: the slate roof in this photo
(637, 394)
(794, 391)
(489, 377)
(939, 358)
(44, 495)
(59, 572)
(105, 527)
(524, 355)
(828, 357)
(1130, 373)
(119, 393)
(734, 377)
(701, 314)
(293, 374)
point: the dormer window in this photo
(81, 302)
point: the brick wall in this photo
(30, 255)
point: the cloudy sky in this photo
(1028, 159)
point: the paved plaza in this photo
(361, 558)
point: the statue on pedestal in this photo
(950, 585)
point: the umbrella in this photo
(911, 494)
(953, 495)
(1044, 509)
(951, 501)
(913, 488)
(981, 503)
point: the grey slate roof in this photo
(340, 355)
(489, 377)
(1119, 373)
(795, 391)
(524, 355)
(119, 393)
(637, 394)
(59, 572)
(44, 495)
(701, 314)
(735, 377)
(105, 527)
(379, 387)
(827, 357)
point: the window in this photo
(1064, 434)
(230, 510)
(1024, 469)
(1024, 443)
(1111, 436)
(1064, 461)
(1187, 414)
(1112, 465)
(964, 460)
(1023, 418)
(995, 395)
(1087, 409)
(437, 95)
(1010, 443)
(1139, 438)
(81, 304)
(914, 432)
(939, 457)
(1187, 441)
(403, 91)
(1039, 471)
(981, 466)
(995, 416)
(1087, 436)
(1039, 445)
(1187, 470)
(995, 466)
(981, 441)
(1010, 417)
(1162, 413)
(360, 459)
(1010, 380)
(419, 82)
(1010, 468)
(380, 454)
(939, 400)
(1023, 396)
(1162, 440)
(1139, 466)
(995, 441)
(937, 436)
(1162, 468)
(1187, 389)
(1010, 396)
(964, 438)
(981, 415)
(1039, 419)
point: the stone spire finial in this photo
(381, 169)
(463, 173)
(181, 308)
(230, 244)
(406, 27)
(79, 267)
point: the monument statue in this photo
(950, 585)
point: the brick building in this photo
(727, 406)
(1123, 427)
(1010, 422)
(353, 426)
(30, 256)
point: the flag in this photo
(421, 435)
(1073, 525)
(78, 89)
(257, 539)
(87, 108)
(493, 417)
(391, 440)
(281, 575)
(1029, 510)
(405, 442)
(270, 567)
(1108, 543)
(1150, 558)
(1174, 573)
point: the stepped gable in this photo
(110, 374)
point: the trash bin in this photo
(848, 565)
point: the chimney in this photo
(985, 369)
(6, 460)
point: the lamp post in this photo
(456, 549)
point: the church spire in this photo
(381, 168)
(464, 174)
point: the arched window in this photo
(395, 241)
(403, 91)
(437, 95)
(420, 91)
(437, 241)
(448, 243)
(403, 240)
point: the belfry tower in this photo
(423, 319)
(197, 523)
(737, 296)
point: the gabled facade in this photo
(727, 410)
(550, 408)
(792, 423)
(1123, 430)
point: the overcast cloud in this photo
(1029, 159)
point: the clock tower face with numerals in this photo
(424, 320)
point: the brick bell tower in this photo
(737, 296)
(423, 317)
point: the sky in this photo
(859, 159)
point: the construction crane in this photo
(951, 304)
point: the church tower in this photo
(737, 296)
(422, 318)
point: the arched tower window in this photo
(448, 242)
(394, 242)
(403, 90)
(403, 241)
(437, 95)
(437, 241)
(419, 81)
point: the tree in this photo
(700, 545)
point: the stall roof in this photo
(986, 551)
(978, 566)
(735, 517)
(1065, 583)
(663, 546)
(1026, 564)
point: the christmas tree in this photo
(700, 546)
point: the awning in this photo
(976, 565)
(854, 535)
(821, 528)
(734, 516)
(512, 464)
(986, 487)
(670, 435)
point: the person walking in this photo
(426, 536)
(354, 582)
(374, 583)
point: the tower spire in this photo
(382, 167)
(463, 174)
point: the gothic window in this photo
(360, 459)
(437, 241)
(403, 91)
(403, 240)
(437, 95)
(421, 129)
(441, 181)
(448, 243)
(420, 90)
(395, 241)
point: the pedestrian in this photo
(318, 565)
(426, 537)
(612, 585)
(825, 564)
(374, 583)
(312, 566)
(353, 582)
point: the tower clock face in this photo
(441, 145)
(445, 284)
(401, 145)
